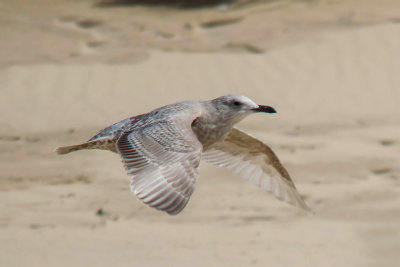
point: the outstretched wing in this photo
(161, 159)
(256, 162)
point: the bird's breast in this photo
(209, 133)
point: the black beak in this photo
(266, 109)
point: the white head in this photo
(237, 107)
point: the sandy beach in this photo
(330, 68)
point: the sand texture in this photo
(334, 80)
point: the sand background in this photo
(330, 68)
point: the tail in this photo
(67, 149)
(106, 144)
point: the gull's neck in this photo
(212, 126)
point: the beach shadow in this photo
(164, 3)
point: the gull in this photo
(161, 150)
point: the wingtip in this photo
(307, 209)
(296, 200)
(300, 203)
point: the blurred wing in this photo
(162, 160)
(256, 162)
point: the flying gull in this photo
(161, 150)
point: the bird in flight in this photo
(161, 150)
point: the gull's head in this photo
(236, 107)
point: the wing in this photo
(256, 162)
(161, 159)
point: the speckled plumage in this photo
(161, 150)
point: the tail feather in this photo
(106, 144)
(67, 149)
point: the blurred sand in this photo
(330, 68)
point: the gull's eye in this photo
(237, 103)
